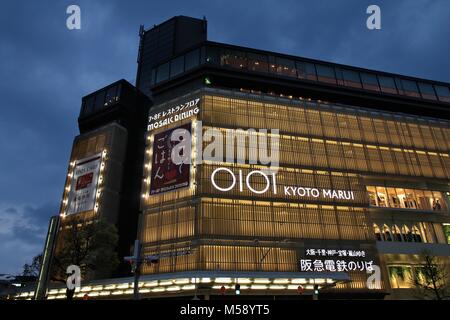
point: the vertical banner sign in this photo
(165, 174)
(84, 184)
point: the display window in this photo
(406, 198)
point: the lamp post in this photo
(136, 262)
(47, 258)
(316, 292)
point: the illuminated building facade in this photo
(363, 177)
(382, 137)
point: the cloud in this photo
(22, 234)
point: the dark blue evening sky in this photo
(45, 70)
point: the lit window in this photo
(400, 277)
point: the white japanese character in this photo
(318, 265)
(330, 265)
(305, 265)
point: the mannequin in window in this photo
(397, 234)
(387, 234)
(395, 202)
(416, 235)
(407, 235)
(372, 198)
(437, 205)
(377, 233)
(381, 200)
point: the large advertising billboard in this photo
(84, 184)
(166, 175)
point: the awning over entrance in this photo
(213, 281)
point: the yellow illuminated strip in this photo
(169, 285)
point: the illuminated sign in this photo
(241, 181)
(166, 174)
(269, 184)
(173, 115)
(84, 184)
(316, 193)
(335, 260)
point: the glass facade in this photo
(332, 147)
(270, 63)
(406, 198)
(100, 99)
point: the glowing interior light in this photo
(151, 284)
(298, 281)
(117, 292)
(110, 287)
(195, 280)
(181, 281)
(258, 286)
(261, 280)
(276, 287)
(223, 280)
(188, 287)
(281, 281)
(318, 281)
(174, 288)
